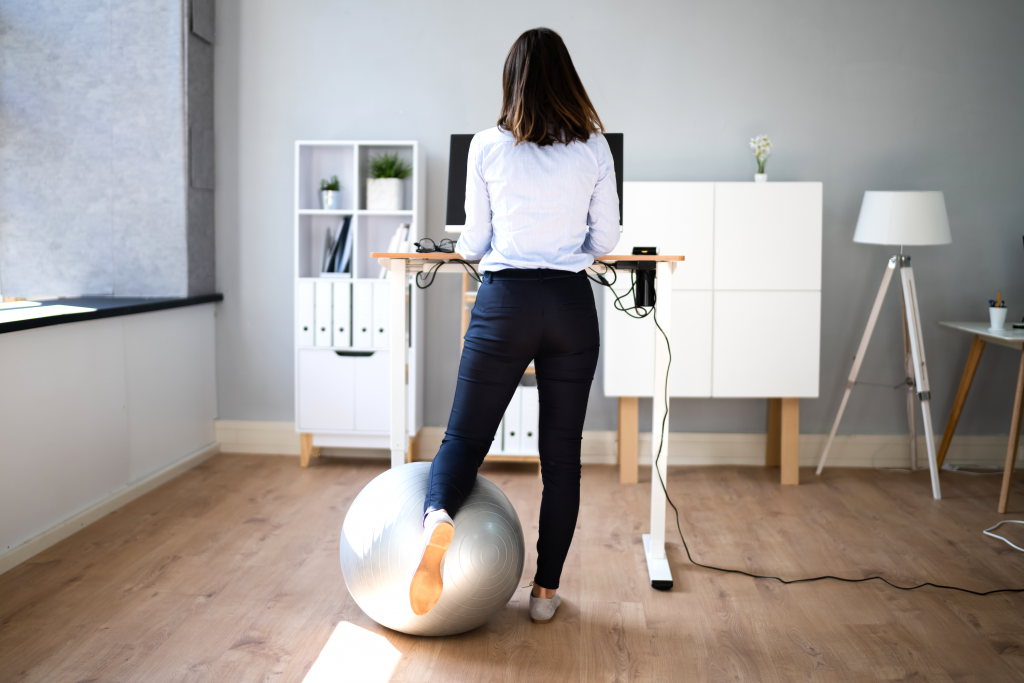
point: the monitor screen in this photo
(455, 217)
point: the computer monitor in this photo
(455, 216)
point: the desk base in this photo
(657, 568)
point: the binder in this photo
(362, 314)
(305, 317)
(343, 314)
(381, 314)
(495, 448)
(531, 419)
(323, 332)
(513, 423)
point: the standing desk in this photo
(1013, 339)
(404, 264)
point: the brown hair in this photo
(543, 98)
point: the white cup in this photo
(997, 318)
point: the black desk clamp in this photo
(643, 293)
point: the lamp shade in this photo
(910, 218)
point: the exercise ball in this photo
(381, 545)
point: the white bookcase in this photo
(341, 322)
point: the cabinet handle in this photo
(305, 328)
(355, 354)
(364, 329)
(511, 433)
(323, 329)
(382, 329)
(529, 433)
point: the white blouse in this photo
(539, 207)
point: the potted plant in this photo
(384, 186)
(330, 194)
(762, 147)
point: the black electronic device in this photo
(458, 156)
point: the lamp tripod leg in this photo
(920, 368)
(859, 358)
(908, 365)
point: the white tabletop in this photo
(1004, 337)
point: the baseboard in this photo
(600, 447)
(59, 532)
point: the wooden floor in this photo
(230, 573)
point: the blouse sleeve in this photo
(475, 240)
(603, 217)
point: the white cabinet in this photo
(514, 423)
(342, 391)
(746, 311)
(530, 419)
(342, 323)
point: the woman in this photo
(541, 203)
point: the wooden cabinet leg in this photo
(307, 450)
(789, 440)
(973, 358)
(414, 449)
(772, 450)
(629, 439)
(1011, 449)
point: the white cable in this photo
(988, 532)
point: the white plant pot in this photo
(760, 177)
(997, 318)
(384, 194)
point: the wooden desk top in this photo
(456, 255)
(1004, 337)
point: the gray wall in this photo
(93, 150)
(860, 95)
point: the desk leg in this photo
(973, 358)
(654, 543)
(398, 380)
(1011, 449)
(629, 439)
(789, 441)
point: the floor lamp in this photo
(905, 219)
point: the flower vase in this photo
(384, 194)
(760, 177)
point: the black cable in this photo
(679, 527)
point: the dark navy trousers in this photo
(545, 316)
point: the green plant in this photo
(331, 184)
(389, 166)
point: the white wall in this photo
(858, 94)
(87, 409)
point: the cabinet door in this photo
(362, 315)
(381, 313)
(326, 391)
(514, 423)
(678, 218)
(305, 317)
(373, 410)
(531, 419)
(343, 314)
(767, 344)
(628, 348)
(324, 328)
(767, 236)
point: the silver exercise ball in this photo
(381, 542)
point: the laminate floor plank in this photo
(230, 573)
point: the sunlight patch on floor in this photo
(354, 654)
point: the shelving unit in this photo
(341, 322)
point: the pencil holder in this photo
(997, 318)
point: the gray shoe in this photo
(542, 610)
